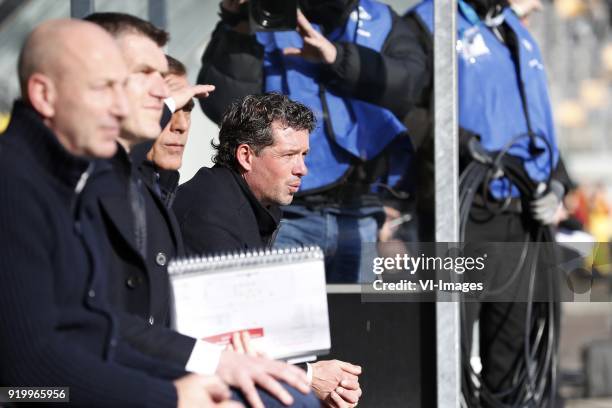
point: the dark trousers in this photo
(501, 323)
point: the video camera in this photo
(273, 15)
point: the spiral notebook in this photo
(278, 296)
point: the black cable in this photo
(534, 375)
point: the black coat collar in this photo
(28, 133)
(122, 162)
(138, 153)
(268, 218)
(114, 196)
(167, 179)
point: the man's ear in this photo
(244, 156)
(42, 94)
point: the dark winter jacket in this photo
(55, 323)
(140, 236)
(217, 212)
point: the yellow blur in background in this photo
(4, 121)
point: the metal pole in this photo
(158, 13)
(81, 8)
(447, 198)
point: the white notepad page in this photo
(283, 293)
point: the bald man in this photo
(55, 327)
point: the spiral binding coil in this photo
(243, 259)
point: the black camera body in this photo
(273, 15)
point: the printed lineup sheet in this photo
(282, 304)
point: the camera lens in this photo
(271, 11)
(270, 15)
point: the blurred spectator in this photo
(162, 159)
(358, 67)
(132, 222)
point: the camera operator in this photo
(359, 68)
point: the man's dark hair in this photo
(175, 67)
(249, 121)
(121, 23)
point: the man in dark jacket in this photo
(259, 165)
(140, 234)
(360, 70)
(234, 205)
(57, 329)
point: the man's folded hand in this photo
(336, 383)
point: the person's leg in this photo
(344, 265)
(301, 226)
(342, 234)
(299, 400)
(368, 234)
(502, 321)
(502, 330)
(357, 237)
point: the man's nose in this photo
(180, 122)
(300, 168)
(120, 106)
(160, 88)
